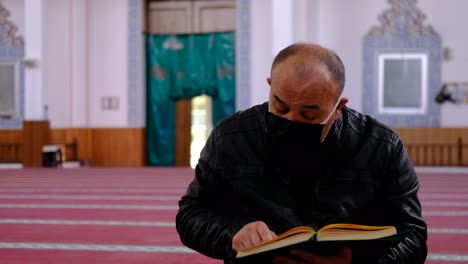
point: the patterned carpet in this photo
(126, 215)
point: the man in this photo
(303, 158)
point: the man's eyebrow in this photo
(312, 107)
(279, 100)
(305, 106)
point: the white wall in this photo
(261, 50)
(87, 60)
(305, 20)
(85, 52)
(59, 72)
(341, 25)
(107, 60)
(344, 23)
(34, 50)
(86, 49)
(449, 20)
(282, 22)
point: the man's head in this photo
(306, 82)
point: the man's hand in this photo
(252, 234)
(343, 256)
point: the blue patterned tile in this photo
(12, 48)
(136, 86)
(243, 55)
(402, 30)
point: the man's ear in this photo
(339, 107)
(269, 81)
(342, 103)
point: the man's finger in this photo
(264, 233)
(251, 234)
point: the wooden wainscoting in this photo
(105, 146)
(121, 147)
(10, 146)
(98, 146)
(126, 146)
(436, 146)
(82, 137)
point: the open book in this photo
(332, 232)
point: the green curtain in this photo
(224, 58)
(184, 66)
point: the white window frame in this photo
(424, 83)
(16, 105)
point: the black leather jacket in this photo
(363, 176)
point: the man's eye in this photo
(282, 110)
(310, 117)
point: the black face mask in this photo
(294, 134)
(294, 148)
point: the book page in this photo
(354, 232)
(354, 226)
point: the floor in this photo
(126, 215)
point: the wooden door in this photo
(183, 132)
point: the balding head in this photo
(306, 56)
(306, 84)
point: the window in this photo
(8, 88)
(402, 83)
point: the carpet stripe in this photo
(429, 190)
(455, 231)
(447, 257)
(89, 214)
(89, 185)
(444, 170)
(444, 195)
(445, 213)
(95, 247)
(94, 197)
(92, 206)
(442, 204)
(91, 190)
(97, 201)
(86, 222)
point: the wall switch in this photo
(109, 103)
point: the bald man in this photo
(302, 158)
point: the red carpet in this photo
(444, 197)
(93, 216)
(126, 215)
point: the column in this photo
(79, 77)
(305, 20)
(282, 21)
(34, 36)
(261, 49)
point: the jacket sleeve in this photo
(206, 221)
(405, 208)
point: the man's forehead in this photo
(300, 72)
(302, 66)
